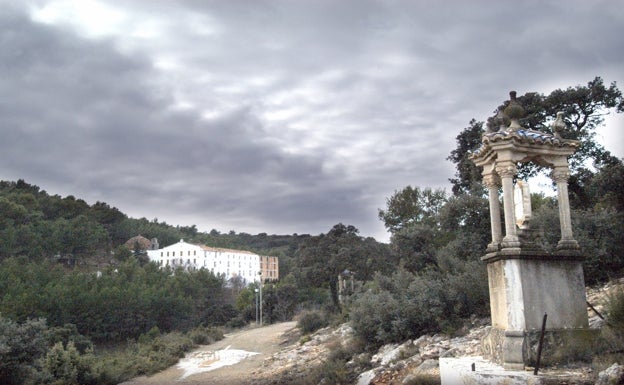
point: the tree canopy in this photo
(584, 109)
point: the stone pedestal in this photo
(523, 287)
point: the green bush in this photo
(311, 321)
(423, 379)
(69, 333)
(372, 315)
(408, 305)
(21, 347)
(614, 307)
(205, 335)
(145, 357)
(65, 365)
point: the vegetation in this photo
(120, 303)
(33, 353)
(311, 321)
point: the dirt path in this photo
(248, 347)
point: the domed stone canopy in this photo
(524, 280)
(499, 155)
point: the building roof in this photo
(523, 137)
(144, 243)
(222, 250)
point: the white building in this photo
(230, 263)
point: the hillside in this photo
(38, 225)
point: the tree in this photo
(584, 109)
(322, 258)
(603, 189)
(66, 365)
(467, 214)
(413, 218)
(412, 206)
(468, 175)
(21, 346)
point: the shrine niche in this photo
(525, 281)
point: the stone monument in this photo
(525, 281)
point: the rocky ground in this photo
(412, 360)
(280, 355)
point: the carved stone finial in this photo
(513, 111)
(502, 120)
(558, 125)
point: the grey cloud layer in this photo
(291, 116)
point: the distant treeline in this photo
(38, 225)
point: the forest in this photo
(75, 302)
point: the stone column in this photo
(560, 175)
(492, 181)
(507, 170)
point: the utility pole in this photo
(260, 274)
(256, 295)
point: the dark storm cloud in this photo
(86, 120)
(274, 116)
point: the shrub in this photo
(21, 346)
(615, 311)
(65, 365)
(69, 333)
(372, 315)
(311, 321)
(150, 355)
(236, 323)
(422, 379)
(408, 305)
(205, 335)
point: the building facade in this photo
(227, 262)
(269, 266)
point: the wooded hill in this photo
(38, 225)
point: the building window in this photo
(161, 253)
(173, 253)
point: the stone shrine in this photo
(525, 281)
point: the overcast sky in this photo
(275, 116)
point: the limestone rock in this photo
(366, 377)
(613, 375)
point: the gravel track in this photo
(263, 341)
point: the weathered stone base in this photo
(516, 349)
(459, 371)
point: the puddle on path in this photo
(205, 361)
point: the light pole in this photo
(256, 291)
(260, 275)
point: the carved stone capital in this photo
(506, 170)
(491, 181)
(560, 175)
